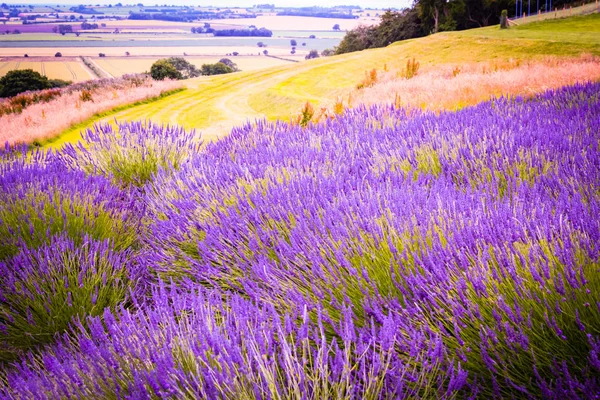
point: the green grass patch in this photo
(73, 134)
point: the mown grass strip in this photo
(69, 134)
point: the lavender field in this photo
(385, 253)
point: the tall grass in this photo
(457, 86)
(43, 120)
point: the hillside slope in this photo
(214, 105)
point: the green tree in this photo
(185, 68)
(229, 63)
(163, 69)
(19, 81)
(312, 54)
(215, 69)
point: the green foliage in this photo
(50, 288)
(163, 69)
(19, 81)
(59, 83)
(187, 69)
(308, 112)
(173, 68)
(229, 63)
(215, 69)
(312, 54)
(394, 26)
(31, 220)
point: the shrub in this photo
(369, 80)
(163, 69)
(86, 95)
(293, 42)
(312, 54)
(132, 153)
(215, 69)
(412, 68)
(59, 83)
(58, 54)
(229, 63)
(19, 81)
(307, 114)
(42, 198)
(42, 291)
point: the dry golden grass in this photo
(68, 70)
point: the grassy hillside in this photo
(214, 105)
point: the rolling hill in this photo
(214, 105)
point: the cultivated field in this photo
(69, 70)
(118, 66)
(217, 104)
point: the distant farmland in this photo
(70, 69)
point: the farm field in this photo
(215, 105)
(69, 70)
(118, 66)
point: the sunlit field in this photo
(71, 70)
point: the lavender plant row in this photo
(382, 254)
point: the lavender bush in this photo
(40, 197)
(481, 225)
(384, 253)
(130, 153)
(43, 290)
(198, 346)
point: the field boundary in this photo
(94, 68)
(104, 114)
(284, 59)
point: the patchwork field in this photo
(215, 105)
(69, 70)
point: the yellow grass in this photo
(130, 65)
(216, 104)
(67, 70)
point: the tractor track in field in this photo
(18, 65)
(43, 68)
(73, 74)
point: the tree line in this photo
(424, 18)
